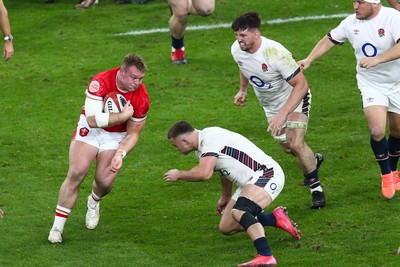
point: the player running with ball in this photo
(102, 137)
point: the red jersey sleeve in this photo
(141, 103)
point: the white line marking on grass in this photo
(228, 25)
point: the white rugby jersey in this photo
(267, 71)
(238, 157)
(370, 38)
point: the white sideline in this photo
(228, 25)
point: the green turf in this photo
(145, 221)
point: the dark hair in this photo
(250, 20)
(134, 60)
(180, 127)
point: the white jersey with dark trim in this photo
(238, 157)
(267, 70)
(370, 38)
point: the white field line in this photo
(228, 25)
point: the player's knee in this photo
(250, 209)
(225, 230)
(296, 146)
(205, 11)
(377, 134)
(76, 175)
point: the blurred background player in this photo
(374, 33)
(259, 180)
(394, 3)
(8, 49)
(102, 137)
(1, 213)
(282, 91)
(180, 9)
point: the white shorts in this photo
(304, 107)
(373, 97)
(273, 185)
(97, 137)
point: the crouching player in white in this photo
(259, 180)
(104, 137)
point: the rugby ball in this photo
(114, 102)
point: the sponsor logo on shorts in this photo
(370, 100)
(273, 186)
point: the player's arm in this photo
(389, 55)
(133, 129)
(300, 89)
(201, 172)
(226, 194)
(320, 49)
(97, 118)
(394, 3)
(241, 96)
(8, 49)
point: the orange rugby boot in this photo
(387, 185)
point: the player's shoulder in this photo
(269, 43)
(235, 48)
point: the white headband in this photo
(373, 1)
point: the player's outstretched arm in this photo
(320, 49)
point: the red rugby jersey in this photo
(105, 82)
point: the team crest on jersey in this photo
(381, 32)
(94, 87)
(240, 63)
(356, 31)
(264, 67)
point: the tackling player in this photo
(282, 91)
(259, 180)
(102, 137)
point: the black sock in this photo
(381, 151)
(266, 219)
(311, 179)
(394, 152)
(262, 246)
(177, 43)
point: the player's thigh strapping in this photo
(304, 108)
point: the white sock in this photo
(318, 188)
(61, 217)
(94, 199)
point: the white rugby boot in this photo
(55, 236)
(92, 213)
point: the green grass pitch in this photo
(145, 221)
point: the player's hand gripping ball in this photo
(114, 102)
